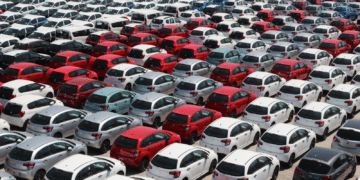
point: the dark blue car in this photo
(218, 2)
(347, 12)
(200, 5)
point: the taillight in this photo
(135, 153)
(202, 137)
(307, 44)
(309, 78)
(349, 103)
(326, 177)
(12, 96)
(202, 38)
(286, 149)
(261, 88)
(298, 172)
(244, 114)
(267, 118)
(97, 135)
(176, 174)
(187, 127)
(189, 73)
(294, 32)
(260, 143)
(150, 113)
(149, 167)
(278, 94)
(194, 93)
(351, 67)
(327, 98)
(299, 98)
(297, 118)
(352, 82)
(329, 81)
(226, 141)
(284, 54)
(222, 61)
(48, 129)
(274, 41)
(313, 25)
(336, 140)
(29, 165)
(1, 109)
(320, 123)
(76, 130)
(257, 65)
(326, 35)
(228, 30)
(122, 79)
(249, 50)
(151, 88)
(21, 114)
(215, 174)
(105, 107)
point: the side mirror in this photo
(69, 148)
(108, 167)
(176, 101)
(82, 116)
(18, 141)
(128, 122)
(42, 87)
(88, 73)
(167, 138)
(173, 80)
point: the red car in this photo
(27, 71)
(190, 121)
(137, 146)
(102, 36)
(319, 2)
(72, 58)
(351, 38)
(230, 101)
(105, 62)
(59, 76)
(263, 26)
(267, 15)
(110, 47)
(75, 92)
(230, 74)
(143, 38)
(334, 47)
(161, 62)
(291, 69)
(301, 5)
(173, 44)
(299, 15)
(130, 29)
(173, 30)
(199, 22)
(344, 24)
(194, 51)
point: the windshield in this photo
(140, 104)
(164, 162)
(165, 30)
(59, 59)
(259, 110)
(67, 6)
(144, 81)
(134, 39)
(339, 94)
(295, 15)
(321, 31)
(219, 97)
(221, 71)
(252, 81)
(346, 36)
(182, 67)
(231, 169)
(23, 21)
(282, 67)
(216, 55)
(186, 15)
(88, 126)
(50, 24)
(273, 139)
(58, 174)
(268, 36)
(342, 61)
(128, 29)
(82, 17)
(313, 166)
(177, 118)
(290, 90)
(277, 48)
(127, 143)
(94, 98)
(48, 4)
(40, 119)
(68, 88)
(309, 114)
(112, 11)
(320, 74)
(100, 48)
(216, 132)
(337, 23)
(301, 39)
(186, 53)
(193, 23)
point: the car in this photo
(55, 23)
(177, 152)
(19, 31)
(225, 135)
(315, 9)
(248, 20)
(161, 62)
(224, 55)
(4, 6)
(340, 96)
(72, 58)
(20, 109)
(66, 13)
(95, 8)
(43, 33)
(219, 17)
(3, 26)
(280, 21)
(326, 163)
(26, 71)
(102, 36)
(292, 29)
(194, 51)
(256, 83)
(327, 77)
(173, 30)
(162, 21)
(23, 9)
(44, 11)
(58, 46)
(173, 44)
(315, 57)
(155, 82)
(143, 38)
(291, 69)
(284, 9)
(258, 61)
(101, 129)
(85, 167)
(115, 12)
(286, 142)
(267, 15)
(55, 121)
(311, 22)
(10, 140)
(105, 62)
(243, 33)
(259, 5)
(351, 38)
(225, 27)
(346, 138)
(6, 176)
(307, 41)
(200, 5)
(102, 2)
(7, 43)
(347, 12)
(32, 20)
(77, 6)
(134, 28)
(230, 74)
(21, 87)
(299, 15)
(87, 17)
(189, 14)
(283, 50)
(246, 46)
(329, 16)
(152, 108)
(271, 37)
(35, 45)
(327, 32)
(140, 53)
(28, 157)
(348, 63)
(344, 24)
(190, 67)
(262, 26)
(110, 47)
(254, 162)
(239, 11)
(194, 23)
(54, 3)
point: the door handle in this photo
(8, 148)
(100, 176)
(160, 145)
(264, 170)
(303, 140)
(45, 161)
(60, 156)
(199, 164)
(295, 145)
(188, 169)
(148, 149)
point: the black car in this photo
(44, 12)
(35, 45)
(68, 45)
(324, 163)
(20, 32)
(18, 56)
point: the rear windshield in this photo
(193, 23)
(68, 88)
(222, 27)
(262, 15)
(152, 63)
(139, 17)
(277, 48)
(339, 9)
(297, 3)
(219, 97)
(221, 71)
(319, 74)
(140, 104)
(56, 77)
(167, 44)
(164, 162)
(216, 19)
(12, 109)
(58, 174)
(186, 86)
(321, 31)
(182, 67)
(165, 30)
(342, 61)
(307, 21)
(325, 15)
(20, 154)
(337, 23)
(282, 67)
(11, 71)
(288, 28)
(311, 166)
(279, 8)
(268, 36)
(243, 45)
(101, 48)
(309, 114)
(258, 28)
(348, 134)
(306, 55)
(94, 37)
(248, 58)
(126, 142)
(94, 98)
(346, 36)
(259, 110)
(89, 126)
(211, 43)
(157, 21)
(216, 132)
(196, 33)
(216, 55)
(170, 9)
(252, 81)
(229, 3)
(295, 15)
(186, 53)
(59, 59)
(339, 94)
(231, 169)
(128, 29)
(116, 73)
(177, 118)
(290, 90)
(327, 46)
(310, 8)
(40, 119)
(5, 92)
(236, 35)
(135, 53)
(134, 39)
(301, 39)
(62, 34)
(237, 11)
(273, 139)
(243, 21)
(144, 81)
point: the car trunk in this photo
(162, 166)
(124, 145)
(6, 92)
(220, 74)
(140, 108)
(289, 93)
(38, 122)
(211, 43)
(272, 142)
(68, 91)
(17, 157)
(184, 89)
(12, 109)
(349, 138)
(100, 64)
(255, 113)
(86, 128)
(56, 77)
(304, 118)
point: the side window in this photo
(235, 131)
(27, 71)
(306, 89)
(59, 147)
(340, 161)
(268, 80)
(328, 113)
(159, 104)
(294, 137)
(202, 85)
(147, 141)
(109, 125)
(44, 152)
(196, 117)
(275, 108)
(187, 160)
(86, 87)
(235, 97)
(8, 139)
(160, 80)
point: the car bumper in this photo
(35, 133)
(192, 100)
(18, 173)
(336, 146)
(316, 130)
(15, 121)
(216, 148)
(283, 157)
(349, 72)
(145, 120)
(88, 142)
(261, 124)
(126, 160)
(295, 103)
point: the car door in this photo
(46, 156)
(313, 91)
(189, 165)
(60, 150)
(295, 143)
(198, 121)
(260, 168)
(284, 111)
(341, 167)
(305, 141)
(274, 84)
(71, 122)
(330, 118)
(98, 170)
(7, 143)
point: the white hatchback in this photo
(219, 42)
(349, 63)
(327, 77)
(238, 34)
(345, 96)
(246, 46)
(200, 34)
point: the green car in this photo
(110, 99)
(224, 55)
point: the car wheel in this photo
(156, 123)
(353, 113)
(354, 74)
(344, 80)
(275, 173)
(325, 134)
(290, 117)
(57, 135)
(105, 146)
(49, 95)
(352, 172)
(39, 175)
(233, 148)
(128, 87)
(192, 138)
(212, 166)
(25, 125)
(319, 97)
(290, 163)
(200, 102)
(143, 164)
(312, 145)
(233, 114)
(343, 120)
(266, 94)
(256, 138)
(121, 173)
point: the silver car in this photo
(307, 40)
(330, 5)
(284, 50)
(246, 46)
(312, 21)
(55, 121)
(280, 21)
(100, 130)
(259, 61)
(271, 37)
(329, 16)
(152, 108)
(32, 158)
(284, 9)
(6, 176)
(292, 29)
(155, 82)
(9, 140)
(192, 67)
(196, 89)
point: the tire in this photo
(212, 166)
(319, 97)
(39, 175)
(343, 120)
(143, 164)
(263, 70)
(128, 87)
(57, 135)
(200, 102)
(290, 117)
(352, 172)
(233, 148)
(105, 146)
(49, 95)
(344, 80)
(354, 74)
(266, 94)
(275, 173)
(312, 145)
(233, 114)
(352, 114)
(25, 125)
(121, 173)
(156, 123)
(256, 138)
(291, 161)
(325, 134)
(192, 138)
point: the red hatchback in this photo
(130, 29)
(230, 74)
(173, 44)
(27, 71)
(291, 69)
(143, 38)
(344, 24)
(101, 36)
(190, 121)
(72, 58)
(161, 62)
(194, 51)
(299, 15)
(173, 30)
(105, 62)
(262, 26)
(334, 47)
(59, 76)
(350, 37)
(301, 5)
(199, 22)
(137, 146)
(267, 15)
(230, 101)
(110, 47)
(75, 92)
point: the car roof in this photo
(256, 54)
(22, 65)
(287, 61)
(108, 43)
(282, 129)
(66, 68)
(259, 74)
(161, 56)
(305, 35)
(57, 19)
(15, 52)
(108, 91)
(4, 37)
(283, 17)
(347, 55)
(61, 41)
(323, 154)
(175, 150)
(312, 50)
(139, 35)
(344, 87)
(187, 109)
(317, 106)
(227, 22)
(35, 142)
(241, 157)
(151, 96)
(17, 83)
(110, 57)
(153, 74)
(111, 19)
(190, 61)
(138, 132)
(283, 43)
(124, 66)
(264, 101)
(202, 28)
(79, 81)
(99, 33)
(225, 122)
(143, 46)
(194, 79)
(227, 90)
(25, 99)
(52, 110)
(228, 65)
(249, 41)
(324, 68)
(312, 17)
(20, 26)
(174, 38)
(296, 83)
(222, 50)
(292, 24)
(324, 26)
(351, 32)
(133, 24)
(101, 116)
(73, 162)
(272, 32)
(45, 30)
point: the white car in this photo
(87, 16)
(140, 53)
(81, 166)
(266, 112)
(124, 75)
(187, 15)
(357, 50)
(247, 165)
(24, 9)
(94, 8)
(349, 63)
(315, 57)
(271, 37)
(347, 138)
(116, 12)
(299, 92)
(326, 32)
(238, 34)
(327, 77)
(4, 125)
(345, 96)
(248, 20)
(36, 3)
(161, 21)
(21, 87)
(7, 43)
(55, 23)
(280, 21)
(219, 42)
(286, 142)
(182, 161)
(19, 110)
(143, 5)
(226, 27)
(246, 46)
(356, 80)
(192, 67)
(263, 83)
(200, 34)
(261, 6)
(321, 118)
(242, 10)
(122, 177)
(219, 17)
(228, 134)
(57, 4)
